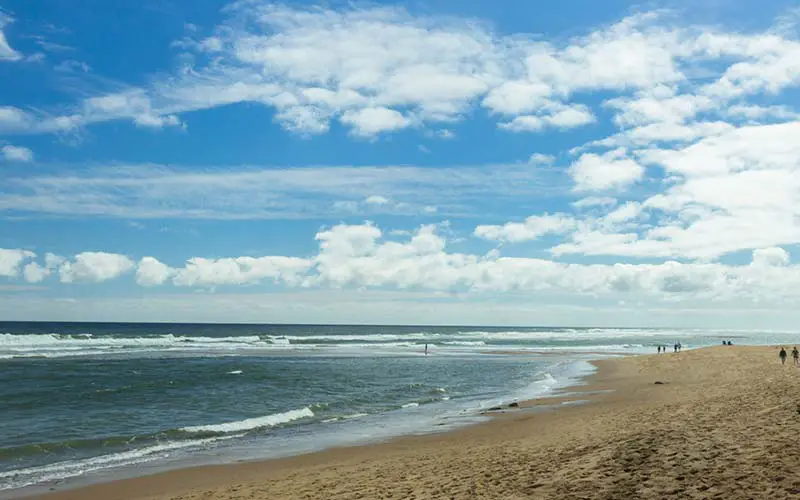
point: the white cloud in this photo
(541, 159)
(11, 260)
(562, 117)
(445, 134)
(533, 228)
(773, 256)
(612, 170)
(239, 271)
(381, 69)
(34, 272)
(157, 122)
(13, 118)
(368, 122)
(94, 267)
(519, 97)
(17, 153)
(376, 200)
(151, 272)
(133, 104)
(755, 112)
(358, 256)
(154, 191)
(595, 201)
(346, 206)
(6, 52)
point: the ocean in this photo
(89, 402)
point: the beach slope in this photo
(723, 423)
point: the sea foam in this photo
(252, 423)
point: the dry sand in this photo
(726, 424)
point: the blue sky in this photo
(446, 162)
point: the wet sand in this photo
(725, 423)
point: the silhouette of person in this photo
(782, 355)
(796, 356)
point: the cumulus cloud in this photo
(595, 201)
(371, 121)
(541, 159)
(357, 256)
(151, 272)
(534, 227)
(612, 170)
(16, 153)
(6, 52)
(562, 117)
(773, 256)
(11, 260)
(94, 267)
(34, 272)
(704, 112)
(240, 271)
(377, 200)
(382, 69)
(733, 191)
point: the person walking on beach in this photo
(675, 347)
(782, 355)
(659, 349)
(796, 356)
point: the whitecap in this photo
(253, 423)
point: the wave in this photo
(465, 343)
(55, 345)
(251, 423)
(344, 417)
(19, 478)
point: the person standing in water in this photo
(782, 355)
(426, 349)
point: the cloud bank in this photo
(363, 256)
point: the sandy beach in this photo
(724, 423)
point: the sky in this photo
(573, 163)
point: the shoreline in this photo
(696, 435)
(192, 475)
(572, 392)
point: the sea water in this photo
(91, 402)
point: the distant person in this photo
(782, 355)
(724, 343)
(796, 356)
(675, 347)
(659, 349)
(680, 346)
(426, 349)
